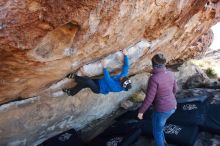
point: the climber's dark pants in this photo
(84, 82)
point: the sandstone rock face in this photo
(43, 40)
(186, 71)
(32, 121)
(197, 49)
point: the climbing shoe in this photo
(71, 75)
(67, 91)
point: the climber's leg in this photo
(88, 83)
(93, 85)
(81, 80)
(74, 90)
(83, 83)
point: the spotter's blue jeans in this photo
(159, 120)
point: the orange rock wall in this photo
(43, 40)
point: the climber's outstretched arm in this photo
(125, 67)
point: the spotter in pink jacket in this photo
(161, 91)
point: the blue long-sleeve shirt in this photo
(112, 83)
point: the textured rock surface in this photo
(188, 70)
(38, 118)
(210, 61)
(31, 121)
(197, 49)
(41, 40)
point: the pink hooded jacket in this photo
(161, 91)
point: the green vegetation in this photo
(210, 73)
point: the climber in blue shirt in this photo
(107, 84)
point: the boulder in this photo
(41, 41)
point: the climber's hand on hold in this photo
(124, 51)
(104, 63)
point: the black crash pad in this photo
(212, 119)
(117, 135)
(181, 135)
(192, 113)
(68, 138)
(200, 98)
